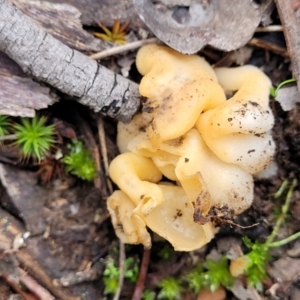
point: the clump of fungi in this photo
(191, 153)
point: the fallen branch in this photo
(47, 59)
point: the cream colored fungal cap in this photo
(208, 181)
(178, 87)
(190, 134)
(129, 227)
(211, 183)
(172, 219)
(238, 131)
(136, 176)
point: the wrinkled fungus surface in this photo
(205, 147)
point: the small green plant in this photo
(166, 252)
(111, 274)
(170, 289)
(274, 91)
(79, 161)
(34, 137)
(131, 269)
(4, 125)
(148, 295)
(256, 259)
(195, 279)
(216, 274)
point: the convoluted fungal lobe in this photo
(207, 146)
(178, 87)
(172, 219)
(136, 176)
(238, 131)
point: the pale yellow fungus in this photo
(237, 131)
(178, 87)
(190, 134)
(136, 176)
(172, 219)
(129, 227)
(239, 265)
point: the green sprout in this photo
(170, 289)
(211, 275)
(166, 252)
(195, 279)
(274, 91)
(4, 124)
(148, 295)
(111, 277)
(111, 274)
(217, 274)
(257, 258)
(34, 137)
(79, 161)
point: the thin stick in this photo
(8, 137)
(281, 189)
(123, 48)
(138, 291)
(285, 241)
(34, 287)
(283, 214)
(122, 258)
(270, 28)
(101, 132)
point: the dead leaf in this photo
(189, 25)
(288, 97)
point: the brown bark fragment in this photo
(290, 18)
(106, 11)
(63, 22)
(11, 229)
(20, 95)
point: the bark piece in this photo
(10, 229)
(106, 11)
(289, 13)
(285, 269)
(244, 293)
(19, 94)
(63, 22)
(73, 73)
(189, 25)
(26, 196)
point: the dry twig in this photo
(122, 258)
(101, 132)
(123, 48)
(138, 291)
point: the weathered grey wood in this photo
(289, 13)
(63, 22)
(47, 59)
(189, 26)
(106, 11)
(19, 94)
